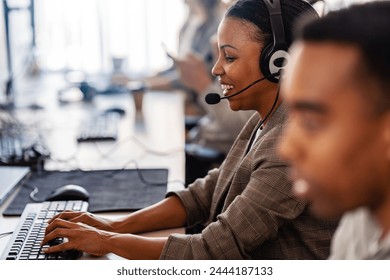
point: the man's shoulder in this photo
(355, 235)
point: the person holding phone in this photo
(200, 24)
(194, 35)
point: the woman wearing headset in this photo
(246, 206)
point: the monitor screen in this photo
(4, 75)
(14, 59)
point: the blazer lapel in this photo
(231, 165)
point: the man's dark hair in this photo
(256, 12)
(364, 26)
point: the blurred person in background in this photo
(193, 38)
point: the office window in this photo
(86, 34)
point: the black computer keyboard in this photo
(103, 127)
(20, 150)
(25, 241)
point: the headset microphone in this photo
(215, 98)
(212, 98)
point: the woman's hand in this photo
(87, 219)
(81, 237)
(78, 236)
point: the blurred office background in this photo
(74, 35)
(88, 35)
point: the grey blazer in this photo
(248, 208)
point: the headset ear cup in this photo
(264, 61)
(272, 61)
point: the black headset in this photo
(274, 56)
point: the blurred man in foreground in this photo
(337, 88)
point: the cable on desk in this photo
(158, 153)
(66, 161)
(139, 173)
(139, 144)
(34, 191)
(106, 154)
(139, 170)
(3, 234)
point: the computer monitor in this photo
(4, 59)
(17, 42)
